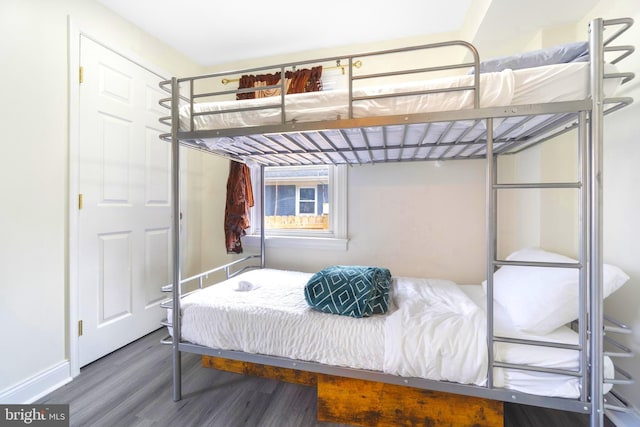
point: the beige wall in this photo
(34, 165)
(518, 210)
(417, 219)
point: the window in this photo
(307, 201)
(296, 197)
(302, 202)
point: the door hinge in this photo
(79, 328)
(79, 201)
(81, 75)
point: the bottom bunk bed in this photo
(430, 329)
(434, 329)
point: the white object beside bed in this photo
(273, 318)
(539, 300)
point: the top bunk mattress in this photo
(550, 83)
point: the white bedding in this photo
(551, 83)
(436, 332)
(495, 89)
(272, 317)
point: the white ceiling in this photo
(506, 19)
(213, 32)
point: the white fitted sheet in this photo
(551, 83)
(273, 318)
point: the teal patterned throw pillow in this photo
(356, 291)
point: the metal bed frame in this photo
(310, 143)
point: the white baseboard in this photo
(38, 386)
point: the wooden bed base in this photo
(368, 403)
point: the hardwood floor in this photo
(132, 388)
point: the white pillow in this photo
(541, 299)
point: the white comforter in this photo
(273, 318)
(437, 332)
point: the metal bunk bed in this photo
(437, 135)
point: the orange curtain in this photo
(270, 92)
(299, 81)
(249, 81)
(305, 80)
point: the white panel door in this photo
(124, 225)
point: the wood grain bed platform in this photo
(367, 403)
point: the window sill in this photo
(326, 243)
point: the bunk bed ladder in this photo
(591, 320)
(493, 187)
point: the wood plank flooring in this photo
(132, 388)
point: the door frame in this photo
(74, 36)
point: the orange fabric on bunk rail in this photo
(298, 81)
